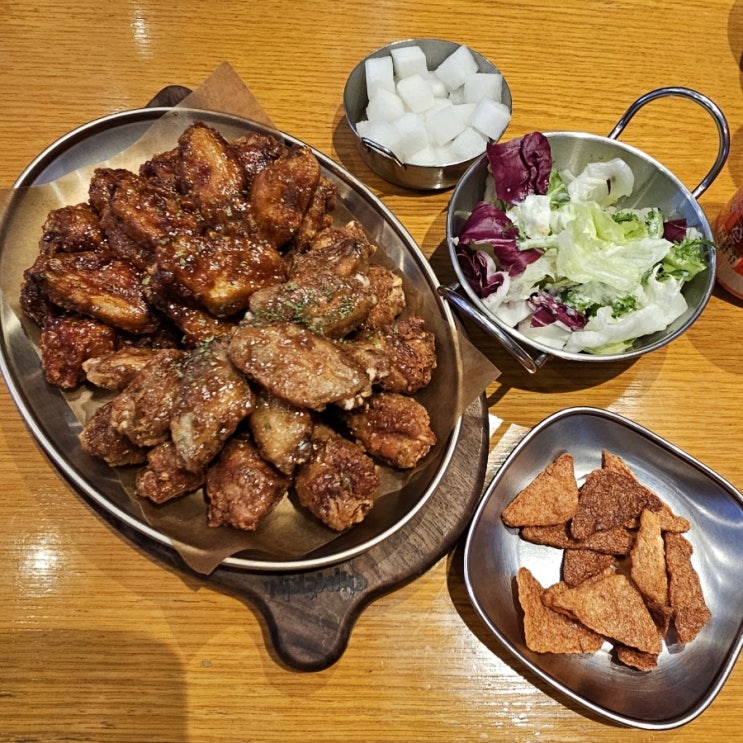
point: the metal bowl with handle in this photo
(655, 186)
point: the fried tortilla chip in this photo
(611, 606)
(579, 565)
(550, 498)
(547, 631)
(617, 541)
(636, 658)
(648, 560)
(690, 612)
(608, 499)
(615, 463)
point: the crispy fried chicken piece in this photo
(70, 229)
(327, 289)
(256, 151)
(281, 431)
(96, 284)
(165, 478)
(318, 215)
(196, 324)
(66, 342)
(100, 439)
(241, 487)
(392, 427)
(162, 170)
(210, 171)
(218, 269)
(114, 371)
(212, 400)
(399, 357)
(339, 481)
(281, 194)
(294, 363)
(142, 409)
(33, 298)
(387, 287)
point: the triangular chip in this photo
(690, 612)
(579, 565)
(648, 560)
(547, 631)
(636, 658)
(612, 607)
(550, 498)
(616, 541)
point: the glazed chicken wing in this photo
(387, 287)
(338, 483)
(394, 428)
(165, 477)
(114, 371)
(281, 195)
(241, 487)
(141, 411)
(66, 342)
(281, 431)
(256, 151)
(70, 229)
(299, 366)
(101, 440)
(212, 400)
(195, 323)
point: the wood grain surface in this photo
(102, 641)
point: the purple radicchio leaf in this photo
(674, 230)
(480, 271)
(520, 167)
(490, 225)
(547, 310)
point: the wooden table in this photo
(99, 641)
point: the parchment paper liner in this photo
(288, 533)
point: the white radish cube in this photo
(363, 127)
(490, 118)
(416, 93)
(409, 60)
(384, 106)
(445, 155)
(464, 111)
(379, 75)
(437, 85)
(470, 143)
(483, 85)
(386, 134)
(427, 156)
(413, 135)
(457, 96)
(444, 124)
(455, 69)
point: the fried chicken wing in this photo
(66, 342)
(299, 366)
(338, 483)
(392, 427)
(114, 370)
(398, 358)
(281, 195)
(241, 487)
(212, 400)
(70, 229)
(318, 215)
(217, 269)
(101, 440)
(165, 477)
(281, 431)
(388, 289)
(196, 323)
(256, 151)
(96, 284)
(142, 410)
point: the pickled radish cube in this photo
(413, 135)
(427, 157)
(444, 124)
(490, 118)
(470, 143)
(409, 60)
(457, 96)
(384, 106)
(384, 133)
(483, 85)
(445, 155)
(416, 93)
(379, 75)
(437, 85)
(464, 111)
(455, 69)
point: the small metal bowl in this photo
(382, 160)
(654, 186)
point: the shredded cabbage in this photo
(594, 276)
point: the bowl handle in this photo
(380, 149)
(530, 363)
(712, 108)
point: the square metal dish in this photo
(688, 677)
